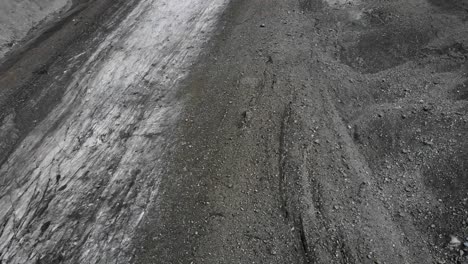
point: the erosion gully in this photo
(78, 184)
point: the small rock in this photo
(262, 25)
(454, 242)
(428, 142)
(247, 115)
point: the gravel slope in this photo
(321, 132)
(303, 132)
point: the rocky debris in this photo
(311, 180)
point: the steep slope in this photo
(76, 187)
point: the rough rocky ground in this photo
(338, 136)
(18, 18)
(309, 132)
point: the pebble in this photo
(428, 142)
(454, 242)
(247, 115)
